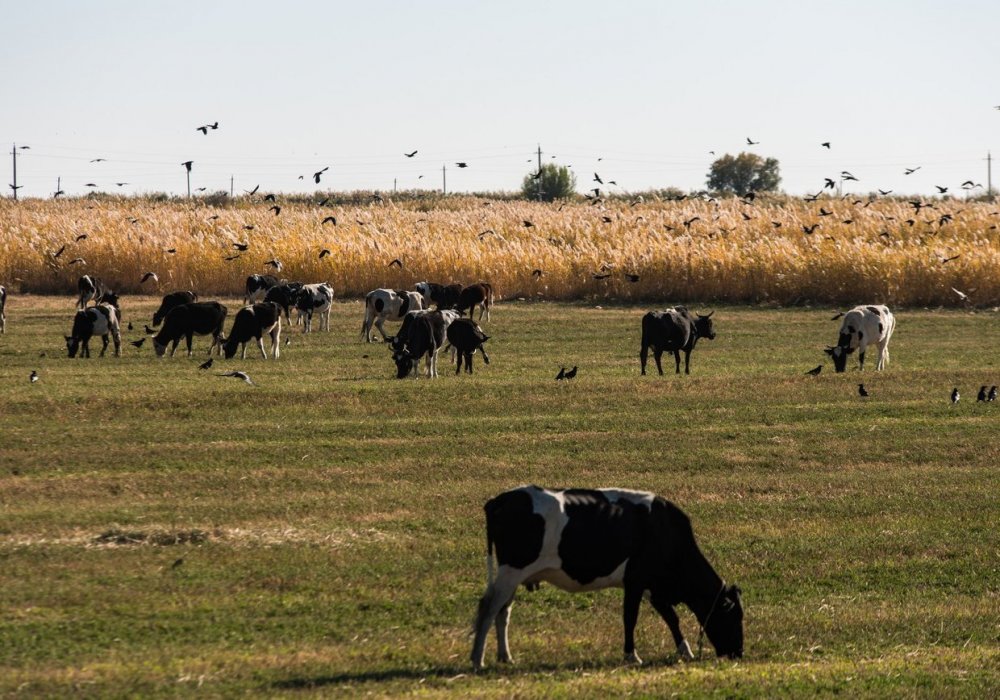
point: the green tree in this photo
(747, 172)
(554, 182)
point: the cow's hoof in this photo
(508, 659)
(633, 659)
(684, 651)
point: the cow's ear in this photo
(829, 350)
(735, 590)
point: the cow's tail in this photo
(490, 563)
(366, 323)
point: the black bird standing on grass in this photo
(207, 364)
(571, 373)
(815, 371)
(982, 394)
(992, 396)
(33, 377)
(561, 375)
(130, 325)
(138, 343)
(149, 331)
(864, 392)
(955, 396)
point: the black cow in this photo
(99, 320)
(443, 296)
(90, 288)
(673, 330)
(171, 301)
(425, 337)
(398, 342)
(188, 320)
(585, 540)
(284, 295)
(466, 337)
(253, 322)
(257, 286)
(3, 306)
(480, 295)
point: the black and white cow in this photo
(171, 301)
(254, 322)
(425, 337)
(3, 309)
(257, 286)
(284, 295)
(398, 342)
(673, 330)
(863, 326)
(443, 296)
(587, 539)
(466, 337)
(315, 298)
(387, 304)
(481, 295)
(186, 321)
(99, 320)
(90, 288)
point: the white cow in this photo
(382, 304)
(863, 326)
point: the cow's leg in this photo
(378, 324)
(643, 356)
(503, 619)
(861, 360)
(85, 348)
(260, 345)
(657, 354)
(883, 355)
(497, 596)
(243, 354)
(687, 362)
(104, 344)
(670, 617)
(633, 597)
(117, 337)
(458, 362)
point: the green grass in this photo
(337, 512)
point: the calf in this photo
(253, 322)
(99, 320)
(673, 330)
(3, 306)
(90, 288)
(382, 304)
(480, 295)
(315, 298)
(443, 296)
(171, 301)
(426, 336)
(284, 295)
(188, 320)
(588, 539)
(863, 326)
(466, 337)
(257, 286)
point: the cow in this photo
(171, 301)
(257, 286)
(398, 342)
(441, 295)
(90, 288)
(589, 539)
(673, 330)
(480, 295)
(3, 306)
(315, 298)
(284, 295)
(466, 337)
(863, 326)
(383, 304)
(99, 320)
(425, 337)
(188, 320)
(253, 322)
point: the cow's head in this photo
(405, 363)
(839, 355)
(703, 324)
(724, 626)
(229, 349)
(112, 299)
(72, 345)
(159, 348)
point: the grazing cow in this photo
(170, 301)
(585, 540)
(863, 326)
(99, 320)
(90, 288)
(466, 337)
(480, 295)
(383, 304)
(3, 306)
(398, 342)
(315, 298)
(257, 286)
(188, 320)
(425, 338)
(673, 330)
(254, 322)
(441, 295)
(284, 295)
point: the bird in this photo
(57, 194)
(276, 209)
(170, 250)
(992, 396)
(241, 246)
(810, 229)
(253, 191)
(571, 373)
(941, 190)
(597, 179)
(396, 262)
(270, 198)
(237, 375)
(955, 396)
(319, 173)
(688, 222)
(982, 394)
(830, 184)
(824, 212)
(138, 343)
(59, 252)
(884, 192)
(149, 276)
(149, 331)
(248, 227)
(961, 295)
(561, 375)
(329, 220)
(601, 277)
(844, 175)
(187, 164)
(74, 261)
(527, 224)
(323, 203)
(607, 219)
(815, 370)
(861, 390)
(910, 171)
(177, 563)
(204, 129)
(232, 257)
(631, 277)
(207, 364)
(33, 377)
(536, 273)
(825, 144)
(130, 326)
(411, 154)
(750, 142)
(323, 253)
(89, 184)
(275, 263)
(462, 164)
(98, 160)
(79, 238)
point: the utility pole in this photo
(59, 184)
(539, 172)
(394, 185)
(231, 181)
(989, 175)
(444, 179)
(13, 153)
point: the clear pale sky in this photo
(649, 87)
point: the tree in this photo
(554, 182)
(747, 172)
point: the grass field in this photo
(164, 531)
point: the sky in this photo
(641, 92)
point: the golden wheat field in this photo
(728, 250)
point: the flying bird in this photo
(597, 179)
(270, 198)
(830, 184)
(232, 257)
(330, 220)
(204, 129)
(138, 343)
(751, 142)
(323, 253)
(815, 371)
(910, 171)
(961, 295)
(824, 212)
(955, 396)
(862, 391)
(74, 261)
(825, 144)
(98, 160)
(207, 364)
(243, 376)
(601, 277)
(810, 229)
(149, 276)
(941, 190)
(688, 222)
(276, 209)
(884, 192)
(527, 224)
(253, 191)
(396, 262)
(462, 165)
(241, 246)
(536, 273)
(319, 173)
(187, 164)
(33, 377)
(410, 155)
(59, 252)
(631, 277)
(79, 238)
